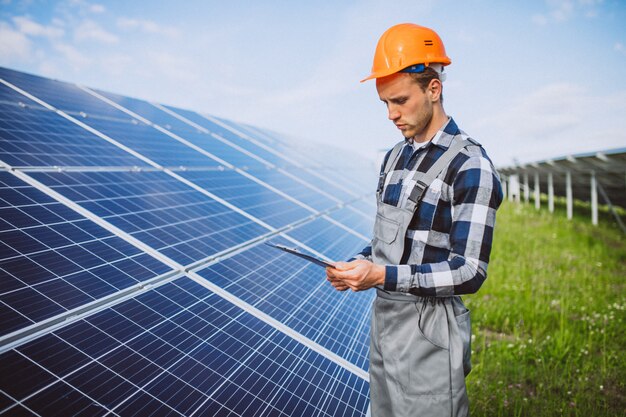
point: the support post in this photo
(537, 193)
(550, 193)
(569, 195)
(594, 199)
(526, 188)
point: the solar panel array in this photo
(133, 275)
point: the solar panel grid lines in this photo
(252, 197)
(151, 207)
(126, 342)
(293, 292)
(102, 361)
(226, 141)
(354, 219)
(176, 265)
(33, 136)
(346, 228)
(130, 134)
(42, 328)
(268, 148)
(54, 260)
(199, 149)
(267, 163)
(156, 126)
(297, 177)
(280, 326)
(213, 134)
(84, 126)
(96, 219)
(184, 342)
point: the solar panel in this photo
(203, 122)
(294, 188)
(133, 277)
(177, 349)
(251, 197)
(160, 211)
(53, 260)
(32, 135)
(355, 218)
(198, 137)
(296, 293)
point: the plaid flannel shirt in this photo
(448, 241)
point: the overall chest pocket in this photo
(386, 230)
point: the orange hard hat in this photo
(404, 45)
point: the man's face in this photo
(410, 108)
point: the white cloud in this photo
(556, 120)
(564, 10)
(29, 27)
(76, 60)
(13, 44)
(539, 19)
(90, 30)
(97, 8)
(561, 9)
(619, 48)
(147, 26)
(85, 7)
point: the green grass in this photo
(548, 323)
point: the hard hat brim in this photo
(381, 74)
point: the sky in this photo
(530, 80)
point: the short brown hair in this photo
(424, 78)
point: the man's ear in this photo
(434, 89)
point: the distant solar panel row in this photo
(177, 348)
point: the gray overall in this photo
(419, 346)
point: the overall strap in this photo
(440, 164)
(390, 163)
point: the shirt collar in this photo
(443, 137)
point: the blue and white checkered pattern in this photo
(448, 242)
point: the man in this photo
(436, 201)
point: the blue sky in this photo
(529, 80)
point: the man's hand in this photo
(357, 275)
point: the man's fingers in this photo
(339, 286)
(342, 266)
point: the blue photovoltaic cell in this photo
(295, 151)
(296, 293)
(53, 260)
(175, 350)
(361, 179)
(150, 112)
(249, 196)
(296, 189)
(329, 239)
(354, 219)
(255, 133)
(64, 96)
(365, 206)
(233, 138)
(201, 139)
(326, 184)
(112, 122)
(159, 210)
(31, 135)
(151, 143)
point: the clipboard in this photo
(296, 252)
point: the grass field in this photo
(548, 323)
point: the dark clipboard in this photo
(294, 251)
